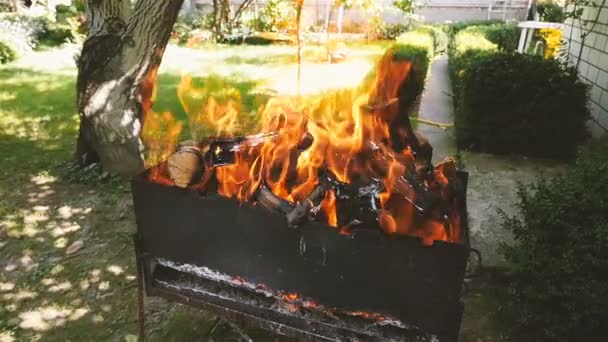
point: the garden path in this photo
(493, 179)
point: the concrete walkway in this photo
(492, 179)
(437, 105)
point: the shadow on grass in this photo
(38, 121)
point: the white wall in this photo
(593, 65)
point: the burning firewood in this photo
(222, 151)
(185, 164)
(301, 210)
(272, 202)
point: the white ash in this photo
(207, 273)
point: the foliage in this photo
(416, 47)
(190, 26)
(7, 54)
(25, 32)
(6, 7)
(422, 38)
(377, 29)
(559, 259)
(474, 40)
(505, 36)
(551, 12)
(440, 37)
(69, 24)
(21, 32)
(454, 28)
(464, 49)
(276, 16)
(406, 6)
(513, 103)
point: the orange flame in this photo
(347, 130)
(328, 205)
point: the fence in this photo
(434, 11)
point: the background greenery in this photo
(513, 103)
(559, 259)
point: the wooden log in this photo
(186, 164)
(272, 202)
(299, 213)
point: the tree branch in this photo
(243, 6)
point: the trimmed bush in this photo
(454, 28)
(513, 103)
(7, 54)
(559, 259)
(466, 46)
(419, 39)
(417, 47)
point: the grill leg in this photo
(140, 293)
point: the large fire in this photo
(333, 157)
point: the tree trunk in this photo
(215, 21)
(116, 77)
(340, 18)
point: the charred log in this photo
(272, 202)
(301, 210)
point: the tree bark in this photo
(116, 77)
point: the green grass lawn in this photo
(91, 295)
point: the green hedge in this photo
(513, 103)
(468, 40)
(418, 47)
(559, 259)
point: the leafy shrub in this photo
(513, 103)
(69, 24)
(551, 12)
(505, 36)
(440, 37)
(560, 256)
(21, 32)
(472, 41)
(416, 47)
(276, 16)
(6, 7)
(7, 54)
(464, 49)
(392, 31)
(188, 24)
(421, 38)
(454, 28)
(420, 55)
(260, 38)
